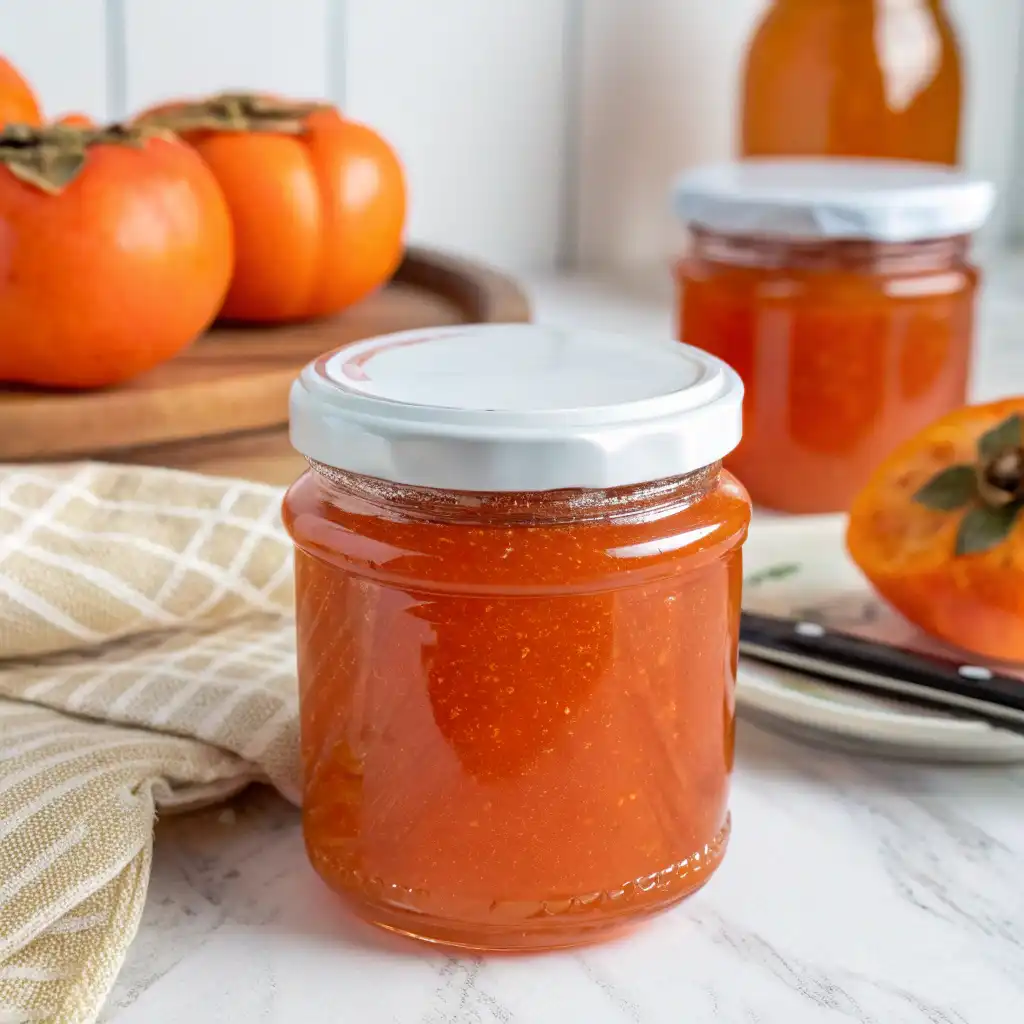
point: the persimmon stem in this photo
(1001, 478)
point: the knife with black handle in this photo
(963, 687)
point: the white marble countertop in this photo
(854, 889)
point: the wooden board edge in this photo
(154, 430)
(485, 294)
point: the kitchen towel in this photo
(148, 665)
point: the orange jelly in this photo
(517, 705)
(873, 78)
(847, 344)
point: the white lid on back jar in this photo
(804, 198)
(516, 407)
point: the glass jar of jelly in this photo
(843, 294)
(518, 583)
(865, 78)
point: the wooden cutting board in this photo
(222, 406)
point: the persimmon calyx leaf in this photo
(991, 491)
(1006, 436)
(950, 489)
(984, 527)
(237, 112)
(50, 157)
(50, 172)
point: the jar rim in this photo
(516, 408)
(850, 199)
(829, 255)
(531, 508)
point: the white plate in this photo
(798, 567)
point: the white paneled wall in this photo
(991, 32)
(472, 93)
(62, 48)
(659, 94)
(181, 47)
(534, 131)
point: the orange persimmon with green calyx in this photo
(939, 529)
(18, 103)
(317, 202)
(117, 252)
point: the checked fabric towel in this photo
(146, 665)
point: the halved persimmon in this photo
(938, 529)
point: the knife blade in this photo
(965, 687)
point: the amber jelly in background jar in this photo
(843, 294)
(866, 78)
(518, 585)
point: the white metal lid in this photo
(873, 200)
(516, 407)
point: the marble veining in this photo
(854, 890)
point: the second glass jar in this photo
(848, 342)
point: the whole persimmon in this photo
(317, 202)
(117, 252)
(18, 103)
(938, 530)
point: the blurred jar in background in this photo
(871, 78)
(842, 293)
